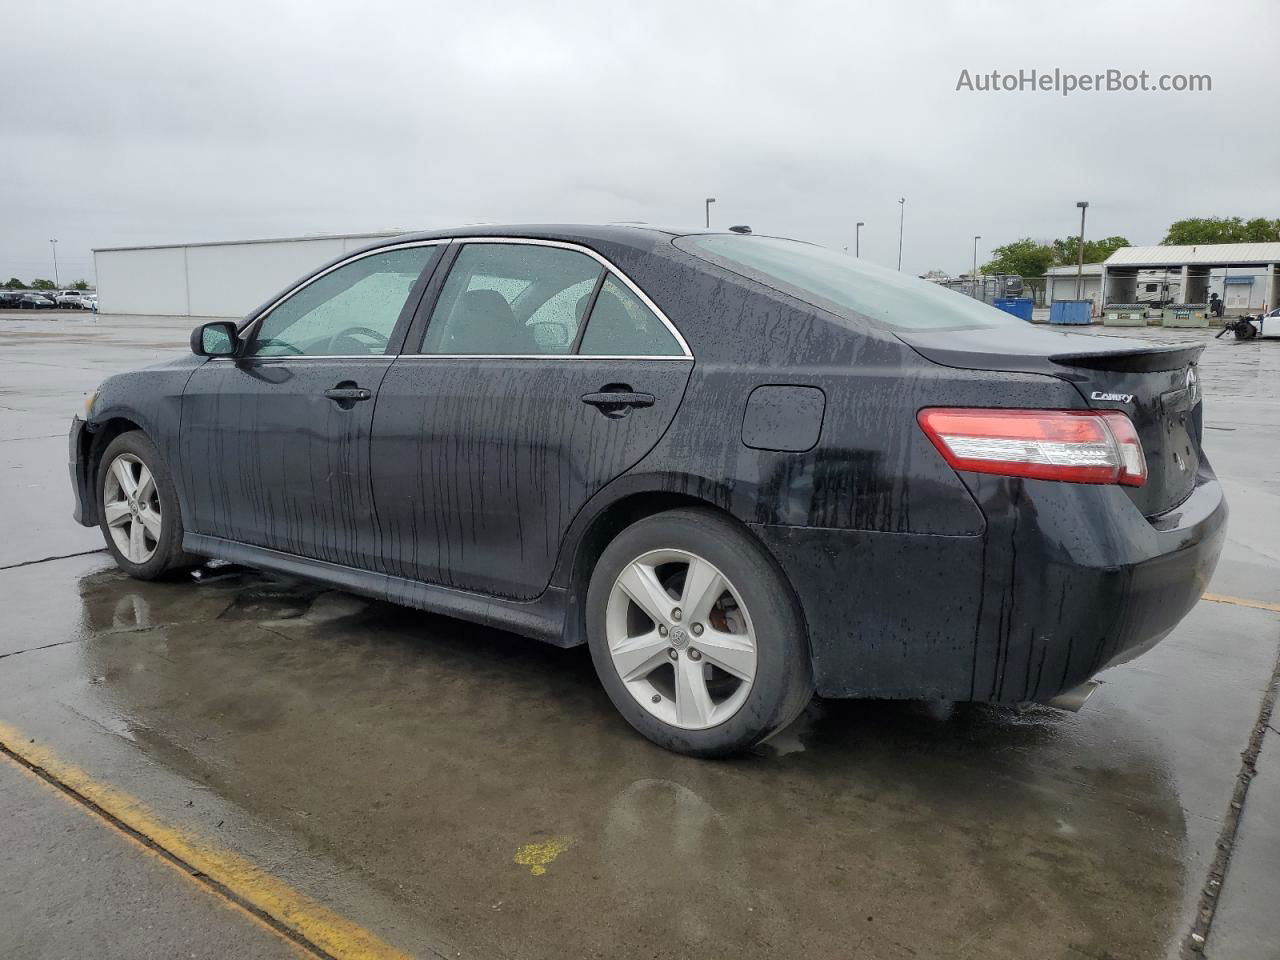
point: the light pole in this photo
(902, 208)
(710, 201)
(54, 244)
(857, 239)
(974, 275)
(1083, 205)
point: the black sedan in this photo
(740, 468)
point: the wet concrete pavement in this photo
(459, 791)
(67, 885)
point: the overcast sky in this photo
(140, 123)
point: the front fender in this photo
(149, 399)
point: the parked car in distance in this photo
(36, 301)
(89, 301)
(10, 300)
(739, 468)
(70, 300)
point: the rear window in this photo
(846, 285)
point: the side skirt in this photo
(541, 619)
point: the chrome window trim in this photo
(250, 327)
(276, 358)
(272, 358)
(540, 356)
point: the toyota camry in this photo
(740, 469)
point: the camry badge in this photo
(1113, 397)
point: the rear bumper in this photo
(1068, 579)
(78, 466)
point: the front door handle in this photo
(347, 394)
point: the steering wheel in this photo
(380, 340)
(272, 342)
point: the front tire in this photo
(138, 508)
(696, 635)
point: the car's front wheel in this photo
(138, 508)
(696, 635)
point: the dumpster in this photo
(1071, 311)
(1186, 315)
(1020, 307)
(1125, 315)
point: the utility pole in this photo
(974, 276)
(54, 244)
(1083, 205)
(857, 239)
(902, 207)
(710, 201)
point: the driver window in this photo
(350, 311)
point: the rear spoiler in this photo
(1160, 356)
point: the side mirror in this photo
(216, 339)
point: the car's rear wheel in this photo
(138, 508)
(696, 635)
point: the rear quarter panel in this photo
(882, 541)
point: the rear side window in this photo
(845, 285)
(621, 325)
(556, 322)
(512, 299)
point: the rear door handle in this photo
(618, 399)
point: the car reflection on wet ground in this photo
(459, 791)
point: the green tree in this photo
(14, 283)
(1262, 230)
(1025, 257)
(80, 285)
(1222, 230)
(39, 284)
(1095, 251)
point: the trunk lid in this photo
(1155, 383)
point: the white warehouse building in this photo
(1060, 284)
(222, 279)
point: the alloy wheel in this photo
(681, 639)
(131, 506)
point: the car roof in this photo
(639, 235)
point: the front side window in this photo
(512, 299)
(350, 311)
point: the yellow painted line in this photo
(1241, 602)
(314, 922)
(147, 851)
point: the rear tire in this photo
(712, 658)
(138, 509)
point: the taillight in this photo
(1080, 446)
